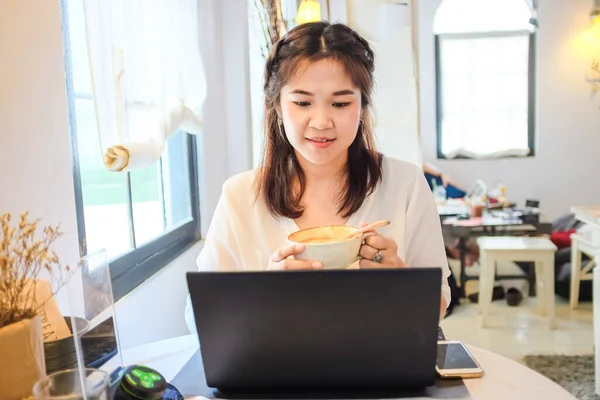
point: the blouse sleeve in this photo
(425, 243)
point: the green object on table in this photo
(142, 382)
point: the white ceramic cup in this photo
(324, 244)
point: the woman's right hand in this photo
(282, 259)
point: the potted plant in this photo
(26, 260)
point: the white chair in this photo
(581, 244)
(509, 248)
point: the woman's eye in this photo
(302, 103)
(341, 105)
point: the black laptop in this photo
(317, 330)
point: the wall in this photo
(565, 172)
(165, 294)
(36, 169)
(226, 146)
(395, 99)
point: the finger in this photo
(292, 264)
(367, 251)
(363, 224)
(368, 264)
(286, 251)
(379, 242)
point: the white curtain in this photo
(147, 75)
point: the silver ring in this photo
(378, 257)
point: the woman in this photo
(320, 168)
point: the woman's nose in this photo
(321, 120)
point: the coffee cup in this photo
(327, 244)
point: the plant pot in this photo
(22, 360)
(60, 354)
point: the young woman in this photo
(321, 167)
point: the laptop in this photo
(317, 330)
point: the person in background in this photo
(321, 167)
(435, 174)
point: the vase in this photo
(21, 358)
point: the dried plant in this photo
(272, 24)
(23, 259)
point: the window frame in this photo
(135, 266)
(531, 88)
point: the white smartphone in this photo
(455, 361)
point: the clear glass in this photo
(98, 346)
(439, 194)
(66, 385)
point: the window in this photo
(485, 66)
(144, 218)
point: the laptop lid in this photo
(317, 329)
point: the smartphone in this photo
(455, 361)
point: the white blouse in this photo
(243, 235)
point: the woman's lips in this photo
(320, 142)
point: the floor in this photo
(518, 331)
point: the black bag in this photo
(455, 294)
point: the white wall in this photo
(36, 169)
(35, 165)
(395, 99)
(154, 310)
(566, 168)
(226, 146)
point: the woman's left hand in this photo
(379, 251)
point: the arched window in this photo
(485, 64)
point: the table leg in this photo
(596, 313)
(486, 284)
(462, 251)
(540, 276)
(549, 289)
(575, 274)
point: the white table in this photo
(509, 248)
(446, 210)
(503, 378)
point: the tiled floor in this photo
(518, 331)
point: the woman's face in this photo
(321, 109)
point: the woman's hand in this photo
(379, 251)
(282, 259)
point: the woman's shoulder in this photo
(239, 191)
(400, 173)
(394, 166)
(240, 183)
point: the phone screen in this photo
(454, 356)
